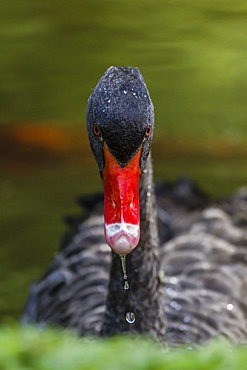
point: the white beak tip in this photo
(122, 246)
(122, 238)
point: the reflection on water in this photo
(192, 54)
(193, 57)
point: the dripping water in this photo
(130, 317)
(123, 261)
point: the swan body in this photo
(187, 274)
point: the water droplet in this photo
(149, 187)
(172, 292)
(186, 319)
(230, 306)
(184, 327)
(126, 285)
(130, 317)
(173, 280)
(145, 170)
(109, 100)
(134, 93)
(176, 305)
(148, 194)
(125, 92)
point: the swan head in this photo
(120, 122)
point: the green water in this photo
(192, 54)
(193, 57)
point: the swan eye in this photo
(148, 130)
(96, 130)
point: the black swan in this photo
(187, 270)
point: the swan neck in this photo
(149, 239)
(145, 294)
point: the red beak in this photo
(121, 203)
